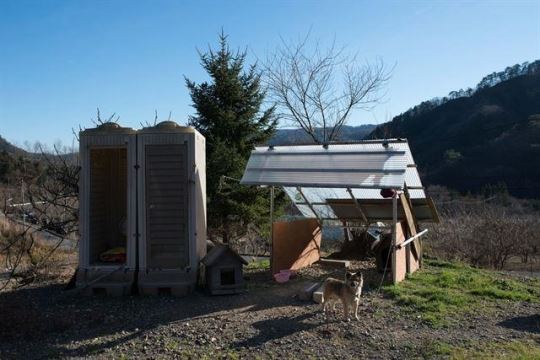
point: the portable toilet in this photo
(107, 247)
(171, 208)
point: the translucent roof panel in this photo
(325, 174)
(381, 210)
(319, 197)
(368, 165)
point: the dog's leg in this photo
(345, 310)
(356, 303)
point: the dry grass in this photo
(487, 234)
(26, 256)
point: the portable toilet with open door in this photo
(107, 247)
(172, 207)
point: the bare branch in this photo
(317, 89)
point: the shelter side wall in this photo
(412, 263)
(399, 256)
(295, 244)
(200, 196)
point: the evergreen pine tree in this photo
(229, 114)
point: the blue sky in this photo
(60, 60)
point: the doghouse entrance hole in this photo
(108, 205)
(227, 276)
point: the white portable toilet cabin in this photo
(107, 248)
(171, 208)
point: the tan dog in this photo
(349, 291)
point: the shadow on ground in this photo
(529, 323)
(53, 319)
(274, 329)
(45, 321)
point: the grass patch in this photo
(443, 289)
(259, 265)
(515, 349)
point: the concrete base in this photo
(174, 282)
(110, 281)
(239, 290)
(177, 290)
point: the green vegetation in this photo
(229, 113)
(515, 349)
(15, 167)
(452, 156)
(443, 291)
(259, 265)
(486, 136)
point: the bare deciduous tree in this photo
(318, 89)
(485, 233)
(32, 232)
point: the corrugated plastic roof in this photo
(359, 165)
(324, 174)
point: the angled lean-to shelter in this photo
(346, 183)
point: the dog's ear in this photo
(349, 275)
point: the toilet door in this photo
(167, 193)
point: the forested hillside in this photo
(476, 138)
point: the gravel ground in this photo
(268, 321)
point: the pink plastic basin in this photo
(282, 276)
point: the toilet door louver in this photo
(166, 178)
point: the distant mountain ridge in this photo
(487, 81)
(299, 136)
(9, 148)
(470, 142)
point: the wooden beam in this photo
(271, 225)
(313, 203)
(434, 212)
(358, 206)
(394, 240)
(411, 224)
(299, 189)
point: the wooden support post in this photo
(271, 225)
(414, 249)
(394, 239)
(416, 246)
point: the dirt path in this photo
(267, 322)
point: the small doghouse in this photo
(224, 271)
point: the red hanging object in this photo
(388, 193)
